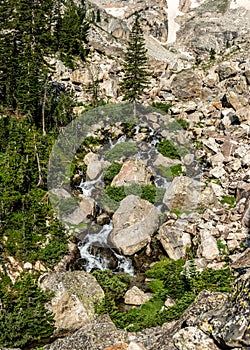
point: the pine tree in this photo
(135, 66)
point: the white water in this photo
(100, 262)
(147, 154)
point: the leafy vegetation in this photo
(24, 318)
(169, 280)
(148, 192)
(162, 106)
(178, 124)
(120, 150)
(171, 150)
(171, 171)
(111, 172)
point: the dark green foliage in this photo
(170, 272)
(162, 106)
(148, 192)
(171, 171)
(168, 149)
(111, 172)
(135, 66)
(27, 220)
(116, 193)
(215, 280)
(71, 30)
(115, 285)
(169, 279)
(31, 30)
(24, 318)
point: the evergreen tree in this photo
(135, 66)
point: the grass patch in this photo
(162, 106)
(148, 192)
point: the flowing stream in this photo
(94, 248)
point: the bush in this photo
(162, 106)
(24, 319)
(147, 192)
(171, 171)
(111, 172)
(178, 124)
(170, 150)
(120, 150)
(170, 280)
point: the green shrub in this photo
(169, 279)
(184, 123)
(116, 193)
(170, 150)
(24, 319)
(171, 171)
(120, 150)
(162, 106)
(114, 285)
(214, 280)
(170, 272)
(178, 124)
(111, 172)
(148, 192)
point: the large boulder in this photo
(75, 293)
(230, 324)
(132, 171)
(185, 193)
(192, 338)
(134, 222)
(174, 239)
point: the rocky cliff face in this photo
(199, 56)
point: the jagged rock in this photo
(186, 85)
(185, 193)
(135, 296)
(234, 100)
(165, 161)
(217, 172)
(226, 70)
(94, 165)
(208, 247)
(132, 171)
(174, 239)
(76, 292)
(229, 325)
(84, 211)
(192, 338)
(134, 222)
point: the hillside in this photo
(136, 216)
